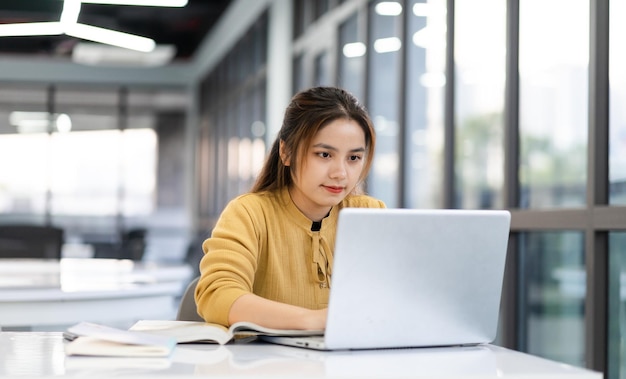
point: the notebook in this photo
(413, 278)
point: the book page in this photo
(249, 328)
(100, 340)
(185, 331)
(94, 346)
(199, 331)
(117, 335)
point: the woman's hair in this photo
(308, 112)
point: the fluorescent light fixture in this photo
(423, 38)
(428, 10)
(104, 55)
(433, 80)
(63, 123)
(354, 49)
(388, 8)
(387, 45)
(68, 24)
(145, 3)
(110, 37)
(429, 37)
(31, 29)
(71, 10)
(38, 122)
(421, 9)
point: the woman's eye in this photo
(355, 157)
(323, 154)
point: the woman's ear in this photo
(284, 155)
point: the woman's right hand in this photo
(316, 319)
(276, 315)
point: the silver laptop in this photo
(413, 278)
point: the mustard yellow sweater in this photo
(263, 244)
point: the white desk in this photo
(52, 294)
(41, 355)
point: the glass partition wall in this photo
(515, 124)
(475, 107)
(85, 159)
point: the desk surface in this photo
(46, 293)
(38, 354)
(83, 275)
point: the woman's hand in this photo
(275, 315)
(316, 319)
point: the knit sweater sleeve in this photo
(229, 264)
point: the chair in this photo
(134, 244)
(195, 253)
(129, 245)
(187, 310)
(31, 241)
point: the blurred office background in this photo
(481, 104)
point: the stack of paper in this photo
(99, 340)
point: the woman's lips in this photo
(333, 189)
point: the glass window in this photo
(384, 79)
(320, 8)
(24, 163)
(480, 51)
(322, 67)
(351, 65)
(299, 81)
(139, 174)
(233, 130)
(552, 287)
(425, 78)
(299, 17)
(24, 153)
(553, 102)
(617, 306)
(89, 188)
(89, 185)
(617, 113)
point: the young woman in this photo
(269, 258)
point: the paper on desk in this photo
(100, 340)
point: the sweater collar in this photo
(295, 214)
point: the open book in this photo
(199, 331)
(99, 340)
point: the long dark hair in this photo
(308, 112)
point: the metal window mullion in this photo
(122, 124)
(51, 103)
(365, 19)
(596, 249)
(402, 107)
(513, 330)
(449, 189)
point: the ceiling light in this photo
(40, 122)
(71, 10)
(354, 49)
(88, 32)
(421, 9)
(145, 3)
(110, 37)
(103, 55)
(31, 29)
(387, 45)
(388, 8)
(63, 123)
(68, 24)
(433, 80)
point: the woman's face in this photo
(331, 168)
